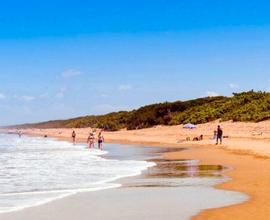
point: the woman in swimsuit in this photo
(100, 141)
(74, 137)
(91, 140)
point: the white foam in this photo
(35, 171)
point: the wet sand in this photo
(246, 151)
(115, 204)
(168, 190)
(249, 174)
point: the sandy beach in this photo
(86, 85)
(246, 151)
(246, 138)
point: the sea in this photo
(34, 170)
(37, 170)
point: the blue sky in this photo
(61, 59)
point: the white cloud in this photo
(104, 95)
(70, 73)
(44, 95)
(27, 98)
(2, 96)
(233, 86)
(61, 93)
(125, 87)
(212, 94)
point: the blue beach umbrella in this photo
(189, 126)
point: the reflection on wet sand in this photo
(176, 173)
(184, 168)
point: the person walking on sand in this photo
(219, 135)
(91, 140)
(73, 137)
(100, 141)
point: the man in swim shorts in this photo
(219, 135)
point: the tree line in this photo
(248, 106)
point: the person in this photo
(215, 135)
(201, 137)
(195, 139)
(100, 141)
(219, 135)
(91, 140)
(74, 137)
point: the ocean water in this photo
(34, 171)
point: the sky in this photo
(62, 59)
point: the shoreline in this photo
(160, 151)
(113, 183)
(242, 211)
(246, 161)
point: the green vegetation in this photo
(246, 106)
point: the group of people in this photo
(91, 140)
(218, 136)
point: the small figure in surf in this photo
(219, 135)
(215, 135)
(73, 137)
(91, 140)
(100, 141)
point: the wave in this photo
(35, 171)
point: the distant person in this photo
(100, 141)
(219, 135)
(201, 137)
(195, 139)
(73, 137)
(91, 140)
(215, 135)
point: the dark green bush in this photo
(245, 106)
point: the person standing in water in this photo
(219, 135)
(100, 141)
(91, 140)
(73, 137)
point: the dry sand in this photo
(253, 138)
(247, 151)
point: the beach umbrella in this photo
(189, 126)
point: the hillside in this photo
(246, 106)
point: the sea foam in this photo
(34, 171)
